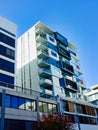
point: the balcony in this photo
(43, 62)
(44, 72)
(39, 31)
(67, 68)
(41, 38)
(45, 82)
(65, 53)
(80, 82)
(78, 69)
(42, 54)
(71, 85)
(41, 45)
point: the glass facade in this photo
(7, 66)
(7, 79)
(7, 52)
(7, 40)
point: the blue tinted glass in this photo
(7, 52)
(7, 40)
(14, 102)
(0, 99)
(6, 78)
(54, 62)
(7, 101)
(6, 65)
(53, 53)
(51, 39)
(21, 103)
(60, 38)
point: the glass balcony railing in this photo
(45, 81)
(42, 38)
(41, 45)
(44, 71)
(42, 53)
(43, 62)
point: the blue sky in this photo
(77, 20)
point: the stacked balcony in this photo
(43, 62)
(64, 52)
(67, 68)
(44, 72)
(71, 85)
(45, 82)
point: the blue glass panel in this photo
(54, 54)
(0, 99)
(7, 40)
(61, 38)
(54, 62)
(6, 65)
(14, 102)
(6, 78)
(21, 103)
(8, 101)
(7, 52)
(62, 83)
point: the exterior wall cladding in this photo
(48, 79)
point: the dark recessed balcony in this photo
(65, 53)
(45, 82)
(71, 85)
(67, 68)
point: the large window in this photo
(85, 109)
(6, 81)
(7, 40)
(47, 107)
(6, 65)
(87, 120)
(20, 103)
(7, 52)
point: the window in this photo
(51, 39)
(45, 107)
(7, 80)
(71, 106)
(33, 105)
(54, 54)
(50, 108)
(0, 99)
(14, 102)
(28, 104)
(40, 107)
(7, 52)
(65, 106)
(8, 101)
(61, 38)
(21, 103)
(6, 65)
(7, 40)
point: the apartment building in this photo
(8, 31)
(93, 94)
(49, 79)
(48, 63)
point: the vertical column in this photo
(76, 117)
(37, 108)
(59, 105)
(2, 110)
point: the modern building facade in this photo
(48, 63)
(48, 79)
(8, 31)
(93, 94)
